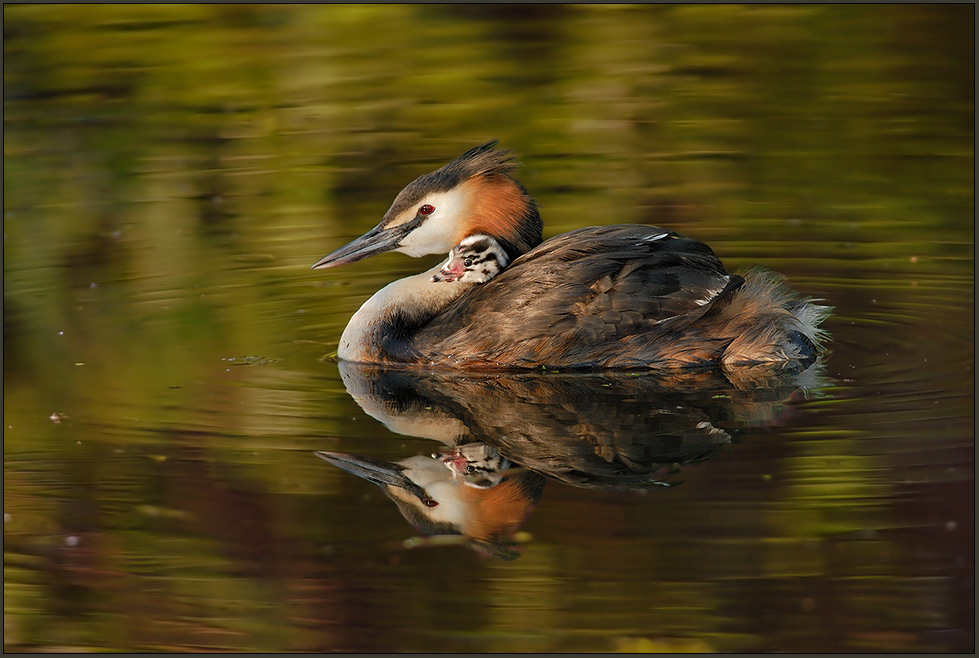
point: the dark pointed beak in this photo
(379, 472)
(375, 241)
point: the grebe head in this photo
(472, 194)
(435, 500)
(476, 259)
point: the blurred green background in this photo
(171, 171)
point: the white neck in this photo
(415, 296)
(428, 423)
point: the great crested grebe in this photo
(624, 296)
(476, 259)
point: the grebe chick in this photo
(476, 259)
(626, 296)
(476, 464)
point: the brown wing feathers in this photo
(579, 299)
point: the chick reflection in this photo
(502, 431)
(473, 492)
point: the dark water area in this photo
(171, 173)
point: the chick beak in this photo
(375, 241)
(451, 271)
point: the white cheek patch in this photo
(432, 476)
(437, 234)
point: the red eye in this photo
(426, 210)
(428, 502)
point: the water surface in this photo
(170, 174)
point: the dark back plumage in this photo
(595, 297)
(625, 296)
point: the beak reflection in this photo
(375, 241)
(379, 472)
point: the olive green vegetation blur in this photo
(172, 171)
